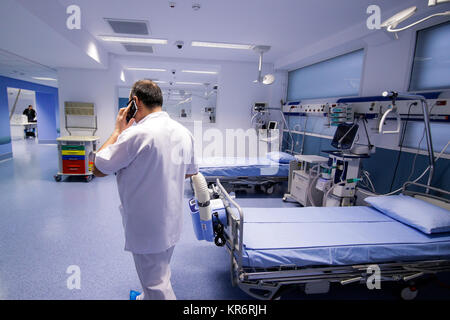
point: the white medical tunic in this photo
(151, 159)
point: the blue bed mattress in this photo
(333, 236)
(242, 167)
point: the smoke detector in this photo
(196, 6)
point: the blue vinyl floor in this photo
(46, 226)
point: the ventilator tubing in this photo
(203, 217)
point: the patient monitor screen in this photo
(344, 136)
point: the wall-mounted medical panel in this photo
(346, 111)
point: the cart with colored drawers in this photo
(76, 156)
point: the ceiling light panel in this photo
(222, 45)
(44, 78)
(133, 40)
(146, 69)
(190, 83)
(199, 71)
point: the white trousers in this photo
(154, 273)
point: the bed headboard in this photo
(440, 197)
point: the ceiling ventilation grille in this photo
(137, 27)
(138, 48)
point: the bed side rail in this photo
(235, 223)
(407, 184)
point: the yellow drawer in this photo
(73, 152)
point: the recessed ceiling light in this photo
(44, 79)
(193, 83)
(133, 40)
(146, 69)
(221, 45)
(199, 71)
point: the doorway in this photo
(22, 103)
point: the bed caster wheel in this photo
(88, 178)
(409, 293)
(57, 178)
(269, 190)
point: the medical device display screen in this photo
(344, 136)
(272, 125)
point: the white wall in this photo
(387, 64)
(236, 95)
(94, 86)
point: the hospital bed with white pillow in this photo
(405, 237)
(234, 172)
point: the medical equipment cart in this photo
(76, 156)
(300, 178)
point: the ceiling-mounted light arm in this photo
(260, 66)
(390, 28)
(268, 78)
(260, 50)
(392, 23)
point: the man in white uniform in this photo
(152, 156)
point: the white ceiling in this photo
(285, 25)
(17, 67)
(288, 26)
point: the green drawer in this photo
(67, 147)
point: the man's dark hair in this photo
(148, 92)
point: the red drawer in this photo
(74, 166)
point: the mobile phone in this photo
(132, 112)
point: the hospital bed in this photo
(239, 172)
(271, 249)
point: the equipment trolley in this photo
(76, 156)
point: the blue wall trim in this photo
(6, 156)
(48, 115)
(381, 164)
(427, 95)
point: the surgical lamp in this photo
(391, 23)
(268, 78)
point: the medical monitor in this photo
(272, 125)
(344, 137)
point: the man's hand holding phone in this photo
(121, 120)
